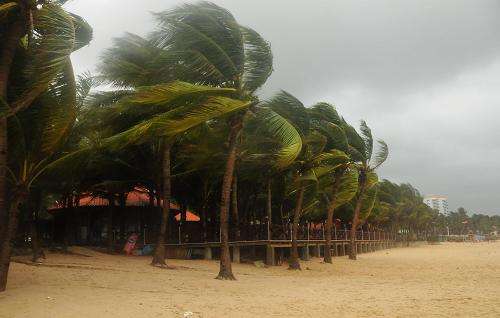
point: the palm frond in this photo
(381, 155)
(287, 136)
(258, 64)
(133, 61)
(168, 93)
(356, 155)
(289, 107)
(48, 52)
(176, 121)
(5, 8)
(208, 30)
(46, 125)
(83, 32)
(367, 138)
(348, 187)
(371, 179)
(325, 111)
(355, 142)
(368, 201)
(337, 138)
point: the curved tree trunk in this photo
(225, 271)
(17, 199)
(159, 255)
(294, 255)
(9, 47)
(235, 214)
(355, 221)
(329, 217)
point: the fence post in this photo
(269, 229)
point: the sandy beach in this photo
(447, 280)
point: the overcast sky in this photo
(425, 75)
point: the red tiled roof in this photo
(137, 197)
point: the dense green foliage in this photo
(183, 120)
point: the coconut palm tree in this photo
(322, 154)
(225, 63)
(361, 151)
(338, 187)
(30, 69)
(37, 134)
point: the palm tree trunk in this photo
(329, 218)
(9, 47)
(225, 271)
(35, 240)
(35, 202)
(159, 255)
(294, 255)
(235, 214)
(18, 197)
(355, 221)
(269, 210)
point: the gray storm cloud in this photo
(424, 74)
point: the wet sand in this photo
(446, 280)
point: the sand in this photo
(447, 280)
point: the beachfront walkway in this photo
(447, 280)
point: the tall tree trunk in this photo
(294, 255)
(159, 255)
(35, 203)
(269, 210)
(225, 271)
(18, 197)
(9, 46)
(355, 219)
(329, 218)
(35, 240)
(110, 241)
(234, 203)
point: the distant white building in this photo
(437, 202)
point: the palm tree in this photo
(38, 133)
(361, 151)
(338, 187)
(226, 63)
(29, 72)
(321, 155)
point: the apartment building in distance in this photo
(437, 202)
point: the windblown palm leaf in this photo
(176, 121)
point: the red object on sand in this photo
(130, 245)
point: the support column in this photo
(316, 251)
(305, 253)
(208, 253)
(236, 254)
(270, 255)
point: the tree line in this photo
(184, 120)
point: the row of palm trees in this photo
(37, 100)
(183, 120)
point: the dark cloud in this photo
(424, 74)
